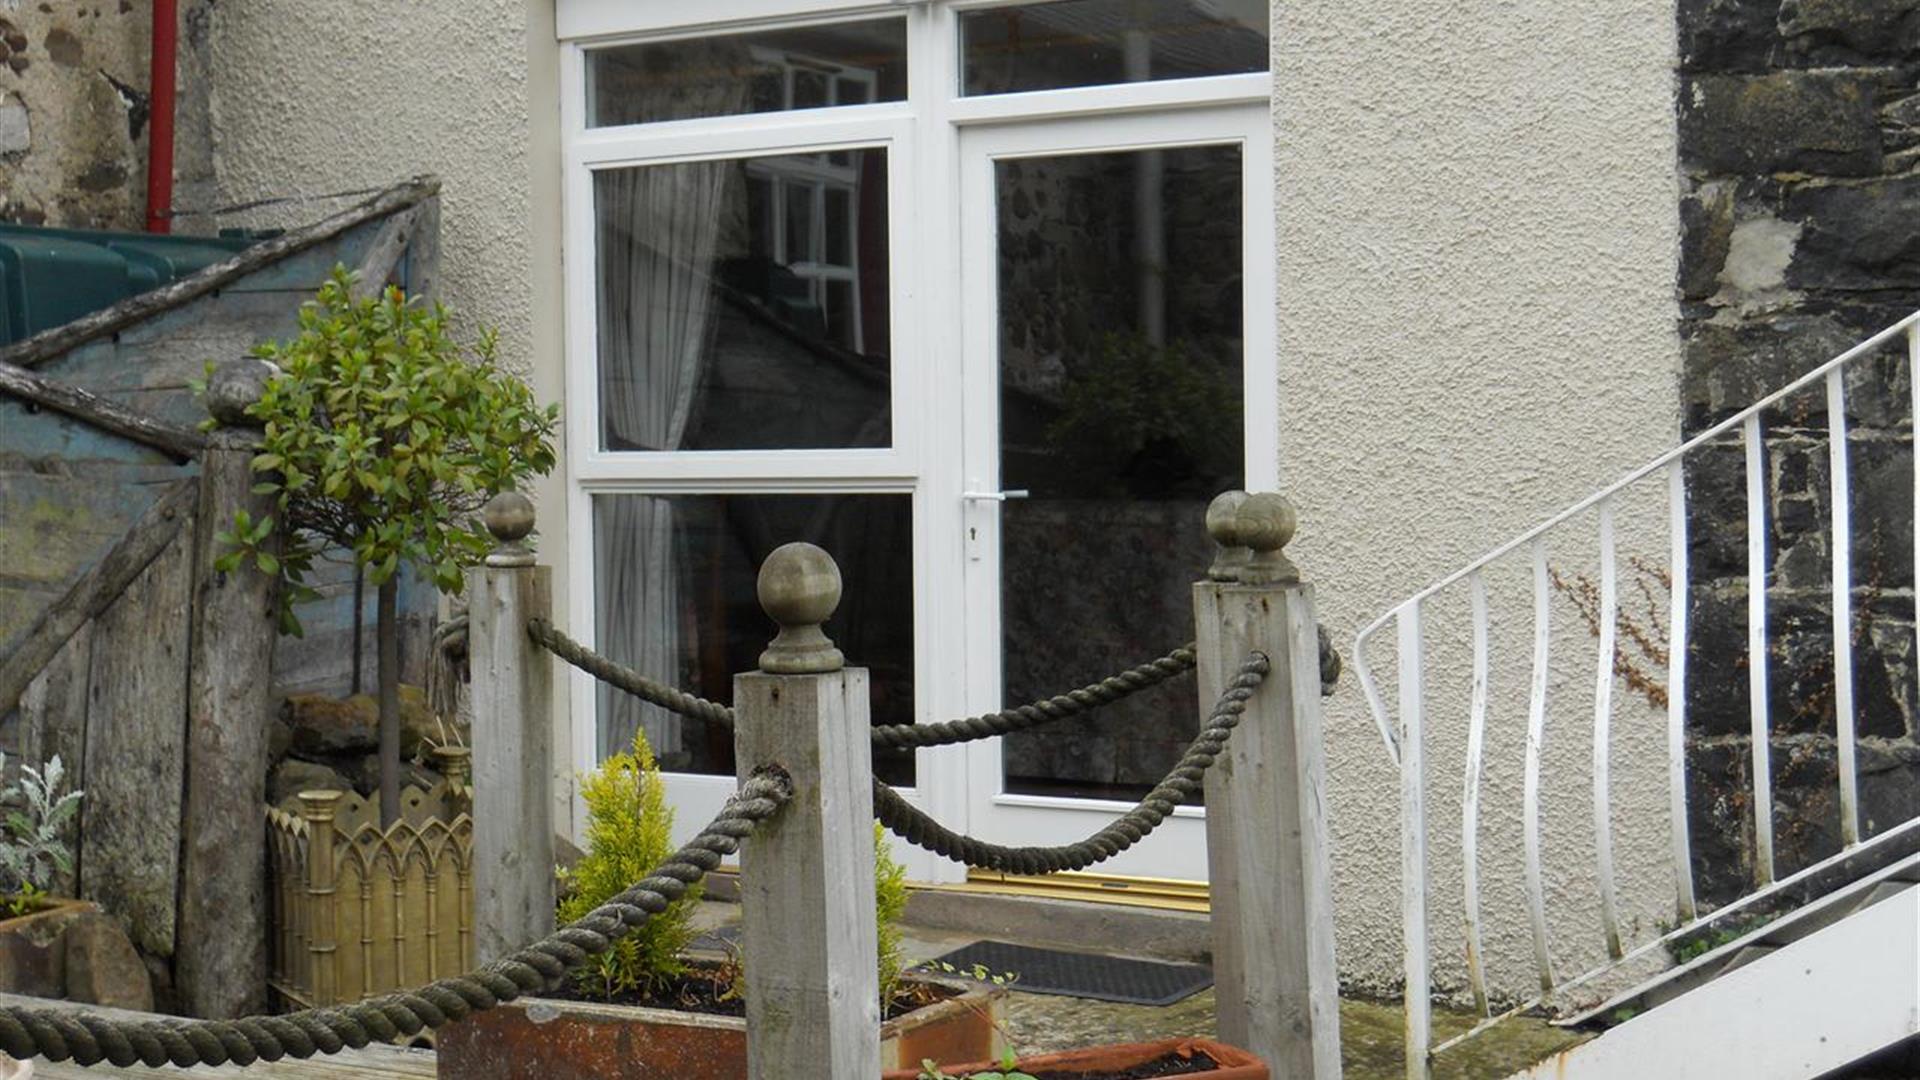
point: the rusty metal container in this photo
(545, 1039)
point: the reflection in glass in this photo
(1099, 42)
(729, 290)
(1120, 342)
(803, 67)
(674, 599)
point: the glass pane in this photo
(1120, 411)
(1097, 42)
(762, 71)
(674, 599)
(710, 332)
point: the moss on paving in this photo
(1370, 1033)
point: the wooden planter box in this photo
(544, 1039)
(1235, 1064)
(32, 950)
(358, 910)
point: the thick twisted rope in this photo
(88, 1038)
(896, 736)
(1179, 785)
(1064, 706)
(625, 678)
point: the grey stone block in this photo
(1856, 236)
(1785, 121)
(103, 968)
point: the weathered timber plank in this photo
(274, 313)
(57, 526)
(376, 1062)
(422, 272)
(136, 748)
(97, 588)
(267, 253)
(28, 431)
(53, 723)
(181, 442)
(383, 256)
(221, 961)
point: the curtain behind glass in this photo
(657, 232)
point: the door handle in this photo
(993, 496)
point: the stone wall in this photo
(1799, 145)
(75, 112)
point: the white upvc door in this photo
(1030, 793)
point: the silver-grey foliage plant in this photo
(34, 847)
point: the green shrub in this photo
(384, 435)
(629, 832)
(889, 907)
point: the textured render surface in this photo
(1477, 241)
(320, 97)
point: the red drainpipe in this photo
(166, 44)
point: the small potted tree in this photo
(645, 1011)
(383, 436)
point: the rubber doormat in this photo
(1083, 975)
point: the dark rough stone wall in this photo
(1799, 138)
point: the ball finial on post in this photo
(236, 386)
(799, 589)
(509, 517)
(1223, 524)
(1265, 522)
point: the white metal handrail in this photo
(1407, 745)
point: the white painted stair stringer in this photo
(1827, 1000)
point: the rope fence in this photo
(1179, 785)
(89, 1038)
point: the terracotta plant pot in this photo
(546, 1039)
(1235, 1064)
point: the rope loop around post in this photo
(88, 1038)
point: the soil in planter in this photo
(706, 988)
(1165, 1065)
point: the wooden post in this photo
(221, 947)
(1267, 850)
(512, 739)
(806, 886)
(319, 808)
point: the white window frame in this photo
(922, 135)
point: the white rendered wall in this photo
(1476, 240)
(316, 96)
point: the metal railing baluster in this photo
(1678, 611)
(1757, 655)
(1470, 796)
(1413, 846)
(1840, 491)
(1603, 733)
(1536, 743)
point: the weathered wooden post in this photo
(1267, 850)
(221, 948)
(806, 883)
(513, 894)
(318, 809)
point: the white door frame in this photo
(925, 136)
(1178, 849)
